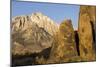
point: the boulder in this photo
(64, 46)
(86, 29)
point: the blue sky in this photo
(57, 12)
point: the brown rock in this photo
(64, 46)
(87, 32)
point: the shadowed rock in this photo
(77, 41)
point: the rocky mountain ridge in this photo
(41, 20)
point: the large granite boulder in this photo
(86, 29)
(64, 46)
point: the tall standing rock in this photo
(86, 30)
(27, 37)
(64, 46)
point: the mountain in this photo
(32, 34)
(44, 22)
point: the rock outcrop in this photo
(64, 46)
(86, 29)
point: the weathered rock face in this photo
(45, 22)
(87, 32)
(32, 34)
(29, 40)
(64, 46)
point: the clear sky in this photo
(57, 12)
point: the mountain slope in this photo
(30, 36)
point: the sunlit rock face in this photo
(64, 46)
(86, 29)
(31, 34)
(44, 22)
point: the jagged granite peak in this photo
(20, 23)
(44, 22)
(28, 37)
(41, 20)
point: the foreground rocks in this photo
(87, 24)
(65, 46)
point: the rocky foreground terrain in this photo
(36, 39)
